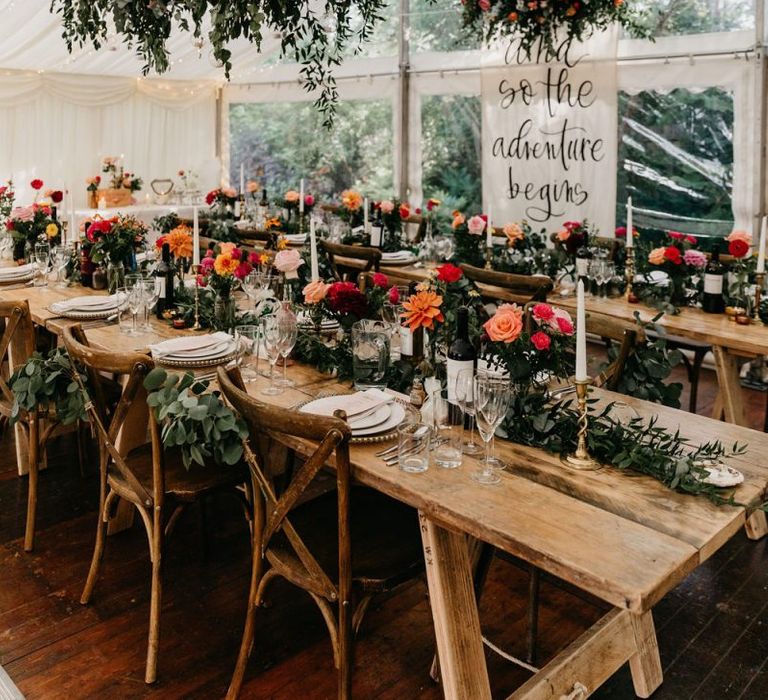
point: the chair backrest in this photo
(519, 288)
(17, 344)
(131, 368)
(370, 256)
(332, 434)
(611, 245)
(626, 333)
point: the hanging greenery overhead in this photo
(314, 33)
(548, 20)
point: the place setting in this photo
(17, 274)
(86, 308)
(195, 351)
(399, 257)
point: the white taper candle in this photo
(581, 335)
(489, 229)
(365, 215)
(242, 178)
(761, 248)
(195, 237)
(313, 251)
(630, 236)
(301, 196)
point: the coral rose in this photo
(251, 186)
(422, 310)
(541, 341)
(476, 225)
(563, 235)
(505, 325)
(449, 273)
(514, 233)
(351, 200)
(315, 292)
(292, 196)
(656, 256)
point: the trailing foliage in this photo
(648, 366)
(194, 419)
(316, 39)
(636, 444)
(324, 354)
(46, 382)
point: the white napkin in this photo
(89, 303)
(18, 270)
(399, 255)
(189, 344)
(357, 405)
(296, 237)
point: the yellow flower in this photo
(51, 230)
(282, 243)
(225, 265)
(351, 200)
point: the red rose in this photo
(346, 298)
(57, 196)
(98, 179)
(394, 296)
(2, 190)
(418, 210)
(9, 227)
(159, 242)
(571, 225)
(449, 273)
(677, 236)
(738, 248)
(691, 239)
(484, 217)
(621, 232)
(254, 258)
(541, 340)
(543, 312)
(405, 211)
(672, 254)
(380, 280)
(210, 197)
(309, 200)
(242, 270)
(36, 184)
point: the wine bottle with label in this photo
(377, 231)
(461, 353)
(712, 300)
(164, 278)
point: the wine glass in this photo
(42, 258)
(492, 397)
(465, 397)
(247, 338)
(271, 332)
(289, 331)
(151, 296)
(60, 257)
(135, 304)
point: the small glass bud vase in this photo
(115, 276)
(224, 310)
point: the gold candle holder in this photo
(196, 270)
(759, 281)
(581, 459)
(489, 258)
(630, 272)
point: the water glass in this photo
(370, 354)
(447, 431)
(272, 335)
(151, 295)
(124, 313)
(247, 338)
(464, 388)
(413, 441)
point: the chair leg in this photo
(98, 548)
(249, 632)
(345, 650)
(694, 371)
(533, 614)
(154, 619)
(34, 447)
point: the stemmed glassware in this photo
(151, 295)
(465, 397)
(43, 260)
(492, 398)
(272, 334)
(60, 257)
(247, 338)
(289, 331)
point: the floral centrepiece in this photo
(179, 240)
(115, 240)
(29, 225)
(678, 259)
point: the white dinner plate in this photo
(395, 418)
(378, 417)
(208, 353)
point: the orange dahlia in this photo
(179, 240)
(225, 265)
(422, 310)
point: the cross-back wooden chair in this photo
(341, 547)
(519, 289)
(611, 246)
(613, 330)
(369, 257)
(153, 479)
(36, 428)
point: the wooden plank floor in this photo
(711, 628)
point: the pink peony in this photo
(23, 213)
(288, 261)
(387, 206)
(476, 225)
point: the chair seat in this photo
(181, 483)
(386, 542)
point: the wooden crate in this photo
(115, 198)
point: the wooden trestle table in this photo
(623, 538)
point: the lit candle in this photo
(365, 215)
(301, 197)
(195, 238)
(489, 230)
(630, 236)
(761, 248)
(581, 335)
(313, 251)
(242, 178)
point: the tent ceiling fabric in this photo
(30, 40)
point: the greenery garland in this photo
(316, 39)
(636, 445)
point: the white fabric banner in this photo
(550, 133)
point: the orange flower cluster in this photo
(179, 240)
(352, 200)
(422, 310)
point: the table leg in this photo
(645, 663)
(756, 526)
(729, 399)
(454, 612)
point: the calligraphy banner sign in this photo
(550, 133)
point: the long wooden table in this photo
(623, 538)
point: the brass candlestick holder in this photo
(581, 459)
(489, 258)
(630, 272)
(196, 270)
(759, 282)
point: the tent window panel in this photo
(286, 140)
(438, 27)
(676, 159)
(451, 152)
(677, 17)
